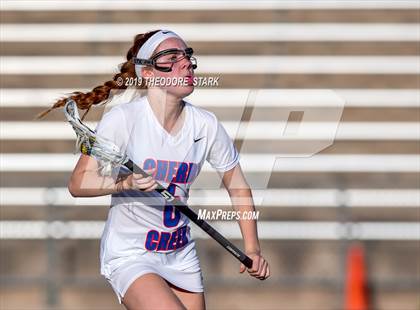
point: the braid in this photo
(100, 93)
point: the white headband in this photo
(150, 45)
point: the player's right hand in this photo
(139, 182)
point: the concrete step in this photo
(216, 48)
(214, 16)
(328, 81)
(277, 180)
(311, 258)
(338, 147)
(266, 213)
(62, 213)
(368, 114)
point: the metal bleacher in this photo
(363, 187)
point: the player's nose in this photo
(187, 63)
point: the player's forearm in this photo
(90, 184)
(242, 201)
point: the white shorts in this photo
(181, 268)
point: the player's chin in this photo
(182, 91)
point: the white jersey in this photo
(142, 221)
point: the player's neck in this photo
(167, 109)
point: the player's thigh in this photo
(150, 291)
(191, 300)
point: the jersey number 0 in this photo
(171, 215)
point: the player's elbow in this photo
(74, 188)
(243, 191)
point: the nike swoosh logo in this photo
(196, 140)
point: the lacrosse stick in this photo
(108, 155)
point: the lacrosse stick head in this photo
(89, 143)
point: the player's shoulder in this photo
(127, 110)
(201, 115)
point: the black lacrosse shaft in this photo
(242, 257)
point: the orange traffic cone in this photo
(356, 288)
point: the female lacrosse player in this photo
(147, 253)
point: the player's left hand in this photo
(260, 268)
